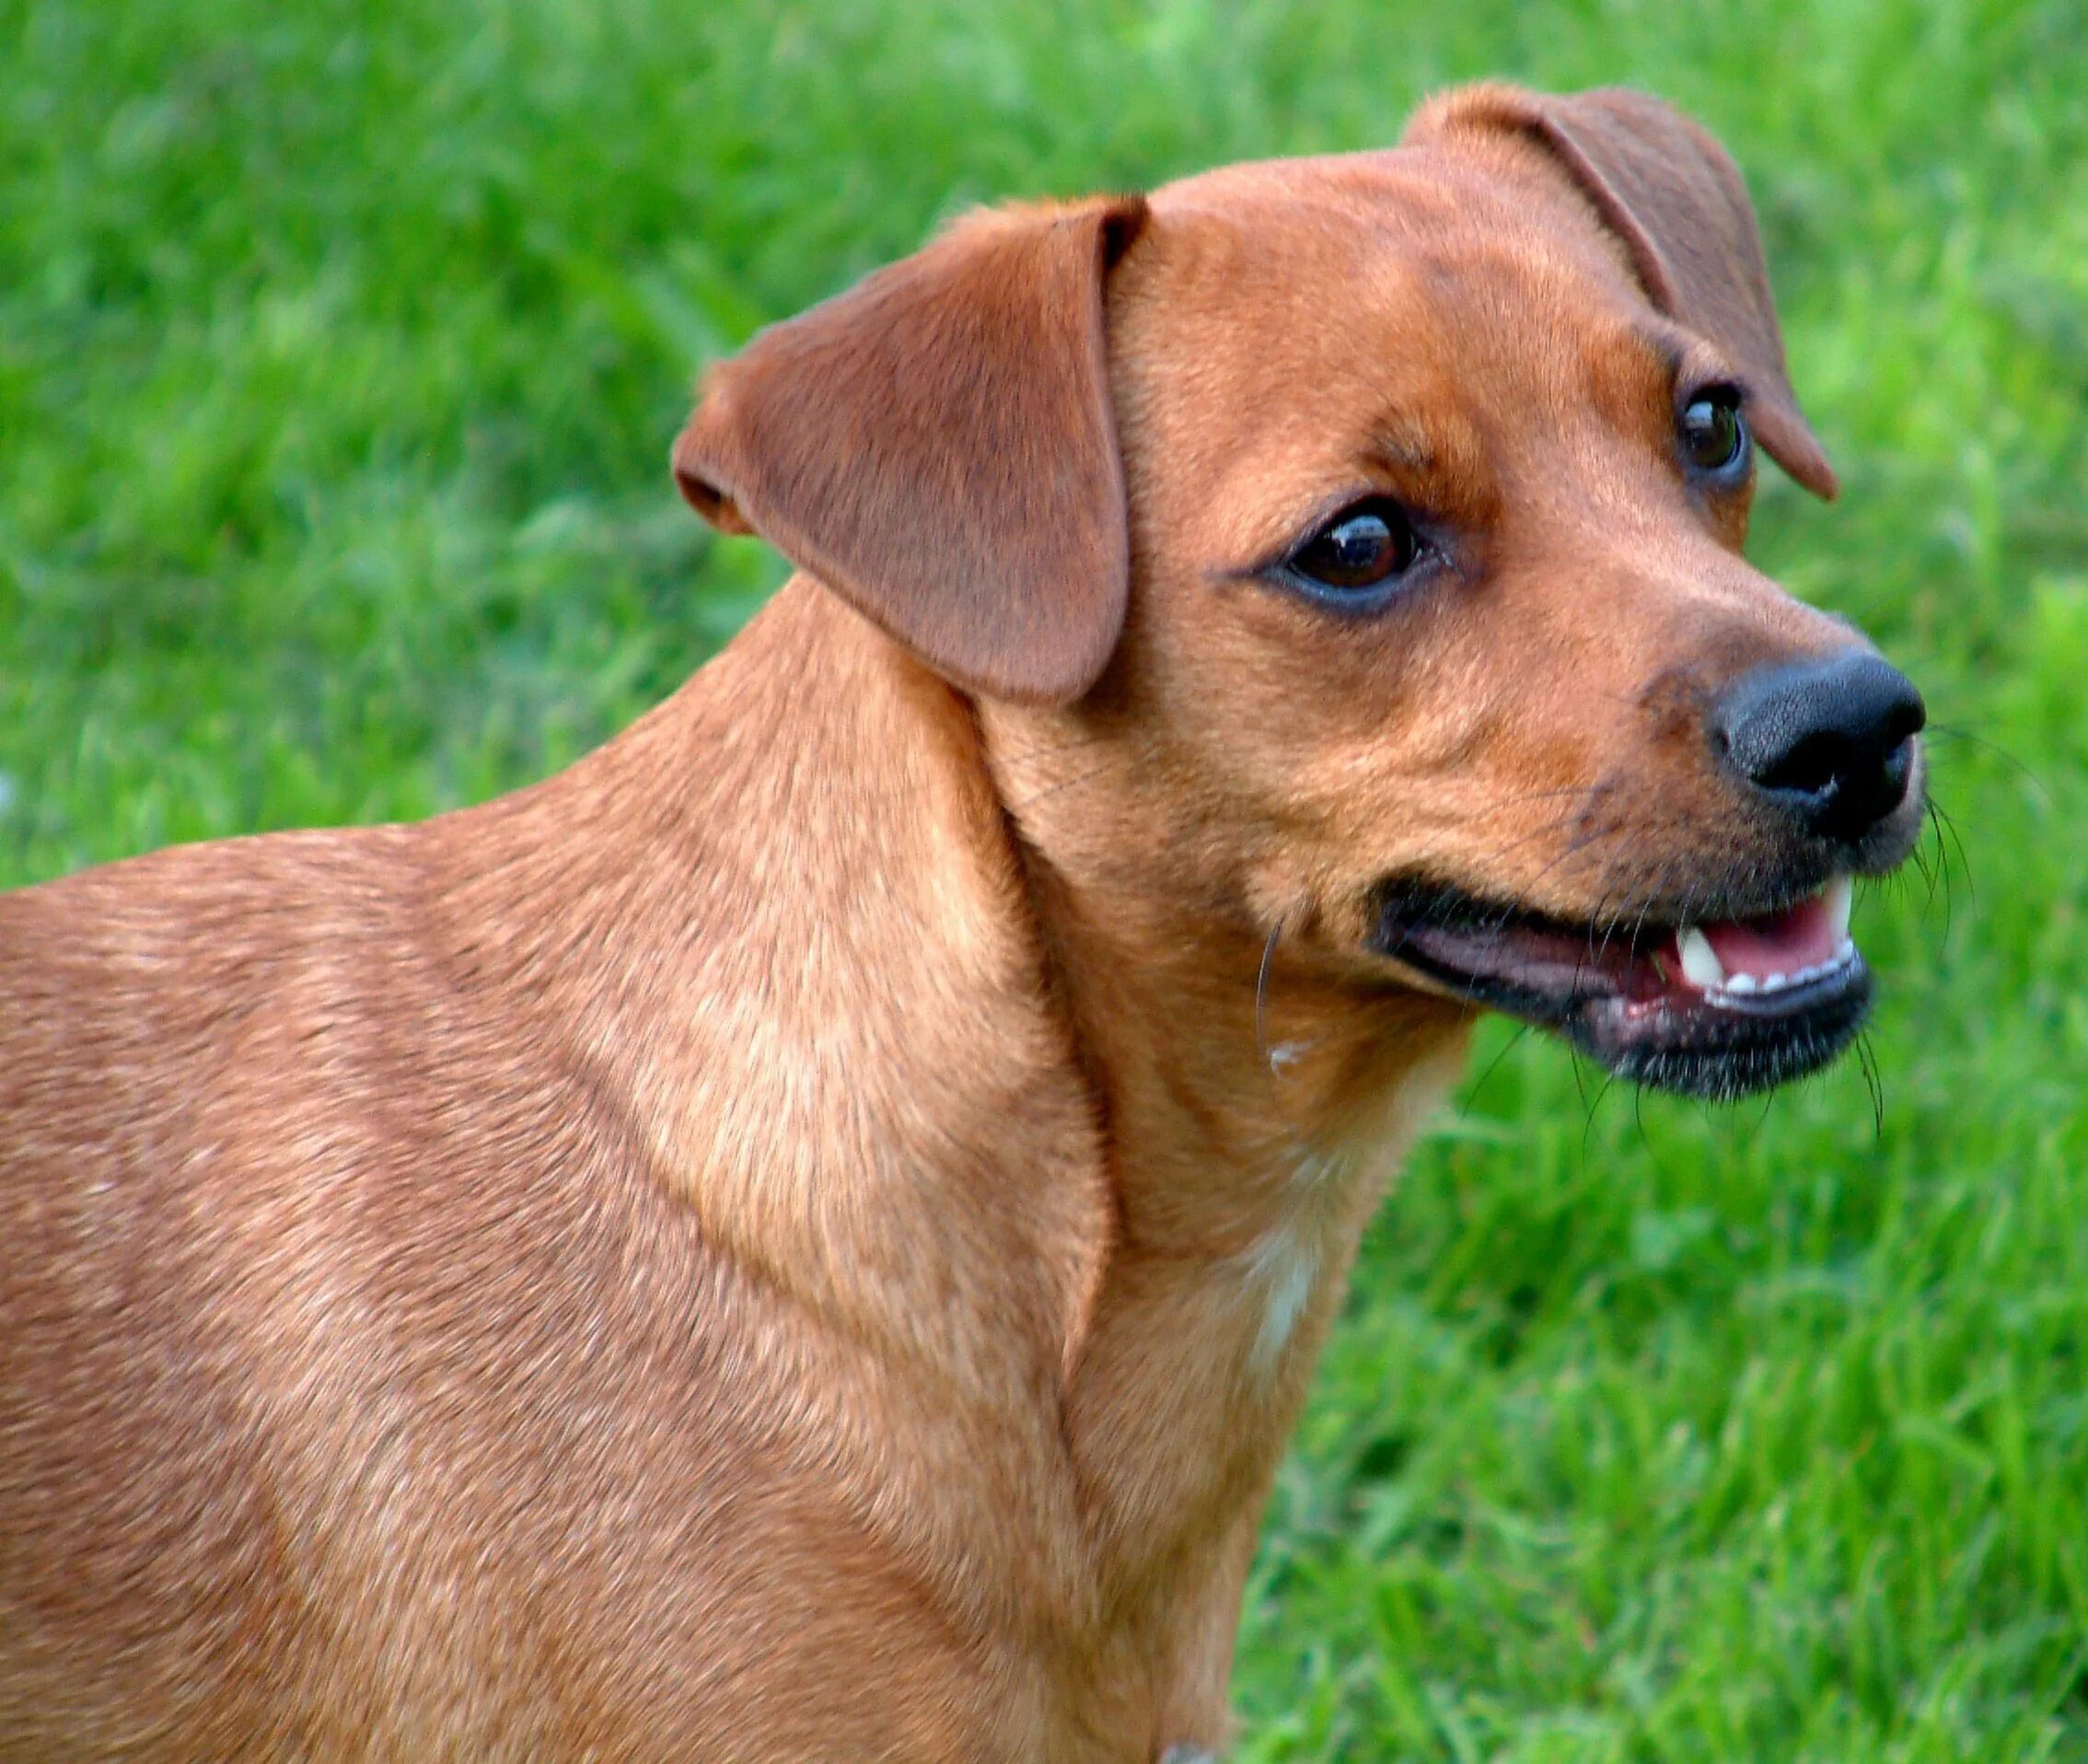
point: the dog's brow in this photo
(1687, 359)
(1399, 444)
(1669, 347)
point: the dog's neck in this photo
(1257, 1100)
(1249, 1141)
(1004, 1125)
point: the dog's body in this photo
(804, 1235)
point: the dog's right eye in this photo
(1365, 547)
(1714, 434)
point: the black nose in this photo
(1830, 741)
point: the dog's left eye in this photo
(1363, 547)
(1713, 433)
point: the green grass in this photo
(341, 345)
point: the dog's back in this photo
(363, 1391)
(143, 1467)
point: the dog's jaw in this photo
(1254, 1124)
(1712, 1009)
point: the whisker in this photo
(1867, 1061)
(1638, 929)
(1955, 732)
(1492, 1065)
(1761, 1120)
(1261, 998)
(1049, 791)
(1587, 1128)
(1496, 853)
(1591, 954)
(1572, 848)
(1942, 817)
(1921, 862)
(1050, 750)
(1607, 922)
(1938, 826)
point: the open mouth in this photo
(1714, 1009)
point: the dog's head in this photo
(1353, 546)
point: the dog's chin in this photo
(1717, 1009)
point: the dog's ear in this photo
(1674, 199)
(938, 446)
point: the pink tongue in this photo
(1780, 943)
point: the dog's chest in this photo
(1322, 1196)
(1303, 1248)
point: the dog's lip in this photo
(1715, 1007)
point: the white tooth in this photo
(1846, 954)
(1839, 897)
(1776, 982)
(1740, 983)
(1700, 965)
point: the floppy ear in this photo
(937, 446)
(1676, 200)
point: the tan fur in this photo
(797, 1237)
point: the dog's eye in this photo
(1714, 434)
(1361, 548)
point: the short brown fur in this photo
(804, 1235)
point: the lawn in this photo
(341, 345)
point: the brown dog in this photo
(803, 1236)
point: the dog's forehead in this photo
(1414, 288)
(1474, 258)
(1466, 209)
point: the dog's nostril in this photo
(1906, 721)
(1816, 764)
(1830, 742)
(1897, 765)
